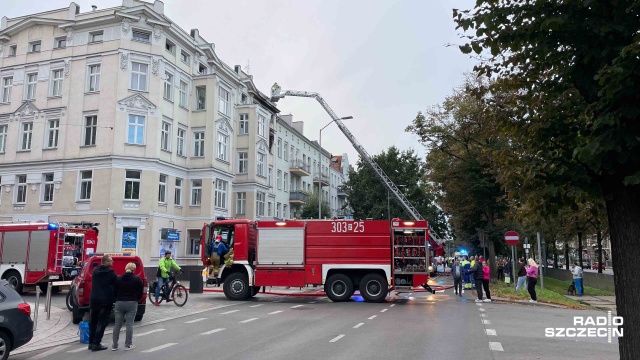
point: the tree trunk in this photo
(555, 254)
(599, 238)
(623, 211)
(580, 248)
(566, 255)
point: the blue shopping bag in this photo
(83, 331)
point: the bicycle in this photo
(177, 291)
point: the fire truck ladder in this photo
(277, 94)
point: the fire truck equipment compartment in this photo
(280, 246)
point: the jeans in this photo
(457, 285)
(160, 281)
(100, 314)
(485, 285)
(579, 288)
(532, 287)
(521, 282)
(479, 288)
(125, 310)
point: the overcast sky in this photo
(380, 61)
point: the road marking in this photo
(357, 326)
(491, 332)
(149, 332)
(256, 305)
(337, 338)
(194, 321)
(297, 306)
(383, 310)
(495, 346)
(410, 294)
(372, 317)
(49, 352)
(483, 315)
(481, 309)
(392, 305)
(313, 302)
(77, 350)
(478, 304)
(246, 321)
(486, 322)
(275, 312)
(277, 301)
(213, 331)
(229, 312)
(159, 347)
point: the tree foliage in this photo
(310, 208)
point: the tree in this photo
(568, 78)
(310, 209)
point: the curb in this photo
(520, 302)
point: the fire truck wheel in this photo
(54, 289)
(339, 287)
(373, 288)
(14, 279)
(255, 290)
(236, 287)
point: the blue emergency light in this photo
(53, 226)
(463, 252)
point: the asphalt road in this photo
(416, 326)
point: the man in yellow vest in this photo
(472, 284)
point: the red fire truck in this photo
(371, 256)
(33, 252)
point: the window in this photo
(47, 188)
(184, 56)
(32, 82)
(139, 76)
(94, 78)
(170, 47)
(260, 198)
(177, 195)
(270, 181)
(56, 83)
(223, 101)
(6, 89)
(21, 189)
(201, 97)
(162, 189)
(243, 99)
(243, 162)
(244, 124)
(279, 147)
(139, 35)
(284, 211)
(132, 185)
(168, 85)
(261, 125)
(285, 179)
(165, 136)
(180, 142)
(86, 178)
(196, 192)
(279, 179)
(198, 143)
(222, 146)
(183, 94)
(270, 209)
(221, 194)
(278, 206)
(35, 46)
(13, 49)
(194, 241)
(3, 138)
(60, 43)
(286, 151)
(260, 164)
(135, 134)
(90, 130)
(26, 135)
(96, 36)
(202, 69)
(241, 203)
(53, 129)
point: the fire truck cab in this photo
(370, 256)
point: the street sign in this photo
(512, 237)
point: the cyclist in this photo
(162, 275)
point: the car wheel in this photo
(5, 346)
(339, 287)
(70, 301)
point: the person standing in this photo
(162, 275)
(457, 271)
(522, 274)
(577, 278)
(101, 302)
(466, 265)
(501, 270)
(486, 277)
(478, 275)
(532, 279)
(128, 290)
(472, 261)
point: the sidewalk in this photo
(600, 302)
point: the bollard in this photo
(37, 307)
(49, 289)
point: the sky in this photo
(380, 61)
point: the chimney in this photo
(3, 23)
(158, 6)
(237, 69)
(74, 9)
(94, 7)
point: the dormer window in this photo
(142, 36)
(202, 70)
(184, 56)
(170, 47)
(96, 36)
(243, 99)
(34, 46)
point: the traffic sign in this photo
(512, 237)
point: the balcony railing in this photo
(341, 192)
(299, 168)
(321, 178)
(298, 196)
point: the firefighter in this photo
(218, 250)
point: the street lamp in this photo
(388, 201)
(320, 164)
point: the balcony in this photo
(341, 192)
(298, 197)
(299, 168)
(323, 179)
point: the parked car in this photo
(596, 266)
(16, 326)
(586, 265)
(80, 291)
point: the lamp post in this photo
(388, 201)
(320, 164)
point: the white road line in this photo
(275, 312)
(159, 347)
(478, 304)
(357, 326)
(297, 306)
(313, 302)
(49, 352)
(277, 301)
(78, 350)
(256, 305)
(491, 332)
(213, 331)
(149, 332)
(486, 322)
(392, 305)
(337, 338)
(194, 320)
(383, 310)
(495, 346)
(481, 309)
(229, 312)
(483, 315)
(246, 321)
(372, 317)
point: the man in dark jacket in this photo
(102, 299)
(478, 275)
(457, 271)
